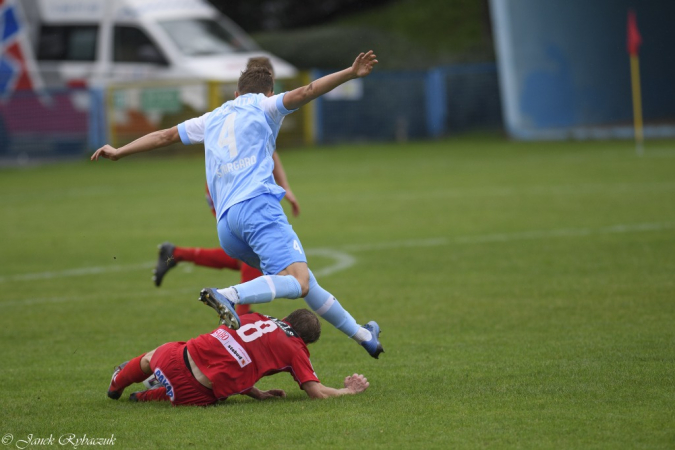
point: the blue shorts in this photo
(256, 231)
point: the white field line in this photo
(495, 191)
(97, 296)
(343, 260)
(509, 237)
(75, 272)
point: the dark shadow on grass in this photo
(240, 401)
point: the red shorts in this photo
(182, 387)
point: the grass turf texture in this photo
(525, 291)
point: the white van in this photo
(95, 42)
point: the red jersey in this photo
(235, 360)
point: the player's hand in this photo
(107, 152)
(294, 203)
(356, 383)
(364, 63)
(272, 393)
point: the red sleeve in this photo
(301, 367)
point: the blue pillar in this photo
(436, 109)
(97, 123)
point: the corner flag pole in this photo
(634, 41)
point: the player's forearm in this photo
(257, 394)
(318, 390)
(279, 173)
(362, 66)
(305, 94)
(329, 82)
(328, 392)
(254, 392)
(150, 141)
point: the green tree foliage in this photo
(406, 34)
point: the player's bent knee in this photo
(303, 279)
(304, 287)
(300, 272)
(145, 362)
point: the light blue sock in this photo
(268, 287)
(325, 305)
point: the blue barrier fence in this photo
(411, 105)
(472, 99)
(385, 106)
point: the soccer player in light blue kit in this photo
(239, 139)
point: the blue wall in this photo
(563, 63)
(401, 105)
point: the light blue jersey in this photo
(239, 139)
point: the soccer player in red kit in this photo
(225, 362)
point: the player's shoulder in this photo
(297, 348)
(253, 323)
(278, 324)
(251, 317)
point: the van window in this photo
(134, 46)
(199, 37)
(67, 43)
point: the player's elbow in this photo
(315, 390)
(312, 92)
(309, 93)
(299, 97)
(168, 136)
(317, 395)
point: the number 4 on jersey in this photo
(226, 137)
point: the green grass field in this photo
(526, 293)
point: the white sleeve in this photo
(274, 108)
(192, 131)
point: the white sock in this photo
(230, 293)
(362, 335)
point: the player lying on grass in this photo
(239, 139)
(170, 255)
(223, 363)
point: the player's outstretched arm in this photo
(150, 141)
(362, 66)
(354, 384)
(280, 177)
(264, 395)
